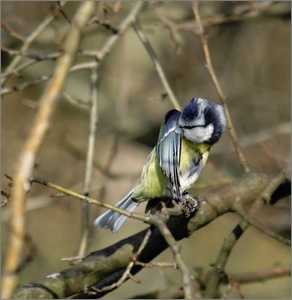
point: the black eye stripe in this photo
(194, 126)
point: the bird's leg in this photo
(189, 204)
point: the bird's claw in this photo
(189, 204)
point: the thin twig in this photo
(60, 8)
(263, 228)
(72, 260)
(233, 284)
(98, 55)
(156, 264)
(262, 275)
(93, 121)
(130, 19)
(263, 199)
(127, 273)
(24, 85)
(173, 29)
(157, 65)
(37, 57)
(258, 137)
(236, 280)
(175, 248)
(134, 215)
(80, 103)
(221, 95)
(230, 241)
(27, 157)
(12, 32)
(238, 12)
(214, 277)
(30, 39)
(105, 23)
(108, 164)
(6, 199)
(25, 65)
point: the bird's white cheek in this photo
(199, 134)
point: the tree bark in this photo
(104, 267)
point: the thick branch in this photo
(106, 266)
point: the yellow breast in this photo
(190, 150)
(153, 182)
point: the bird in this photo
(175, 163)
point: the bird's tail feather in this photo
(114, 220)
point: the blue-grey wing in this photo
(168, 149)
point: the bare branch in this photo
(248, 196)
(230, 241)
(137, 216)
(240, 12)
(127, 273)
(173, 29)
(221, 95)
(93, 121)
(255, 138)
(189, 292)
(32, 145)
(92, 272)
(249, 215)
(6, 198)
(12, 32)
(30, 39)
(156, 220)
(262, 275)
(238, 278)
(130, 19)
(98, 55)
(214, 277)
(24, 85)
(157, 65)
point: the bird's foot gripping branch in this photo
(189, 204)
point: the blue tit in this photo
(183, 146)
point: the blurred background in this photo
(250, 50)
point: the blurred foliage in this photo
(252, 60)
